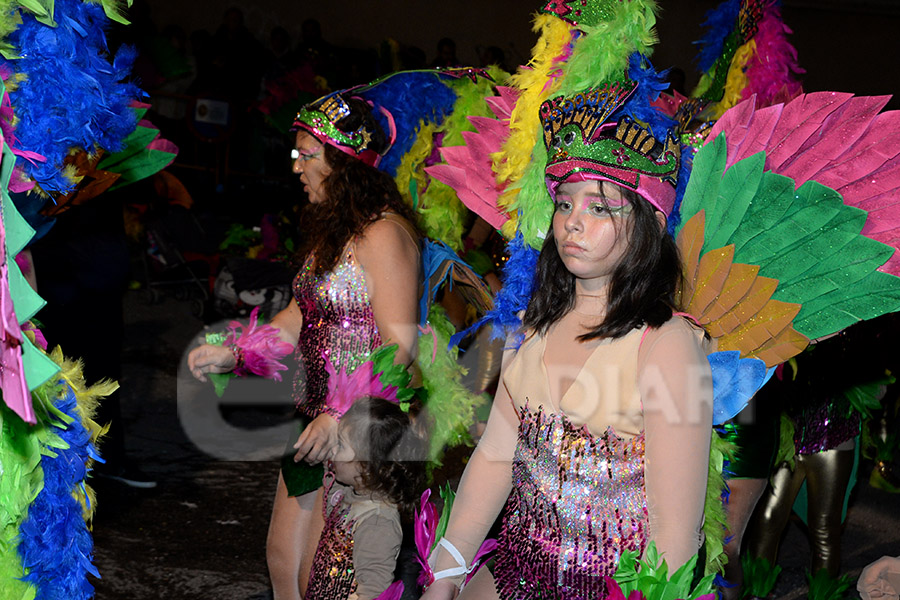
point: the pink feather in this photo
(836, 139)
(773, 70)
(468, 169)
(344, 389)
(261, 347)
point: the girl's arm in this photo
(676, 391)
(483, 489)
(208, 358)
(389, 257)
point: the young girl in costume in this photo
(377, 470)
(358, 289)
(598, 439)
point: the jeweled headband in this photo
(319, 118)
(583, 145)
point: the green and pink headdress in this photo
(614, 133)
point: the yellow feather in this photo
(737, 78)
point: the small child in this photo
(377, 471)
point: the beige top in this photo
(658, 383)
(376, 542)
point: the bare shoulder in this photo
(391, 236)
(677, 335)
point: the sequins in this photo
(338, 323)
(577, 503)
(333, 576)
(824, 425)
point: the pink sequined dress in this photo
(591, 450)
(338, 324)
(577, 503)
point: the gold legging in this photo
(827, 475)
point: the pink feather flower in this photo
(260, 346)
(344, 389)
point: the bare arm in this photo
(208, 358)
(483, 489)
(390, 260)
(676, 390)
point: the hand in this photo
(318, 441)
(210, 359)
(442, 589)
(881, 579)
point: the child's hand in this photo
(210, 359)
(318, 440)
(442, 589)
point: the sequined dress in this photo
(578, 499)
(338, 324)
(577, 503)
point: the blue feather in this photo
(720, 22)
(71, 90)
(518, 285)
(56, 547)
(735, 380)
(411, 97)
(649, 85)
(684, 173)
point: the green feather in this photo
(703, 187)
(650, 577)
(765, 212)
(736, 191)
(759, 576)
(824, 587)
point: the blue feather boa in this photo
(411, 97)
(518, 285)
(72, 97)
(719, 23)
(56, 546)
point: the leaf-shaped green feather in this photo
(738, 187)
(703, 191)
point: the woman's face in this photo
(309, 163)
(590, 228)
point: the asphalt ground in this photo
(200, 534)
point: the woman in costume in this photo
(598, 439)
(358, 289)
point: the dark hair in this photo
(356, 195)
(642, 285)
(391, 450)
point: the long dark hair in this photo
(391, 450)
(642, 286)
(355, 196)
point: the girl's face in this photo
(590, 225)
(344, 464)
(309, 163)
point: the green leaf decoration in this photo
(759, 576)
(874, 295)
(776, 195)
(650, 577)
(220, 382)
(738, 188)
(115, 12)
(448, 496)
(703, 191)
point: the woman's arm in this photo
(676, 391)
(483, 489)
(208, 358)
(389, 257)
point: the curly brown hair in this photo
(390, 448)
(356, 195)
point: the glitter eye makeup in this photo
(306, 155)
